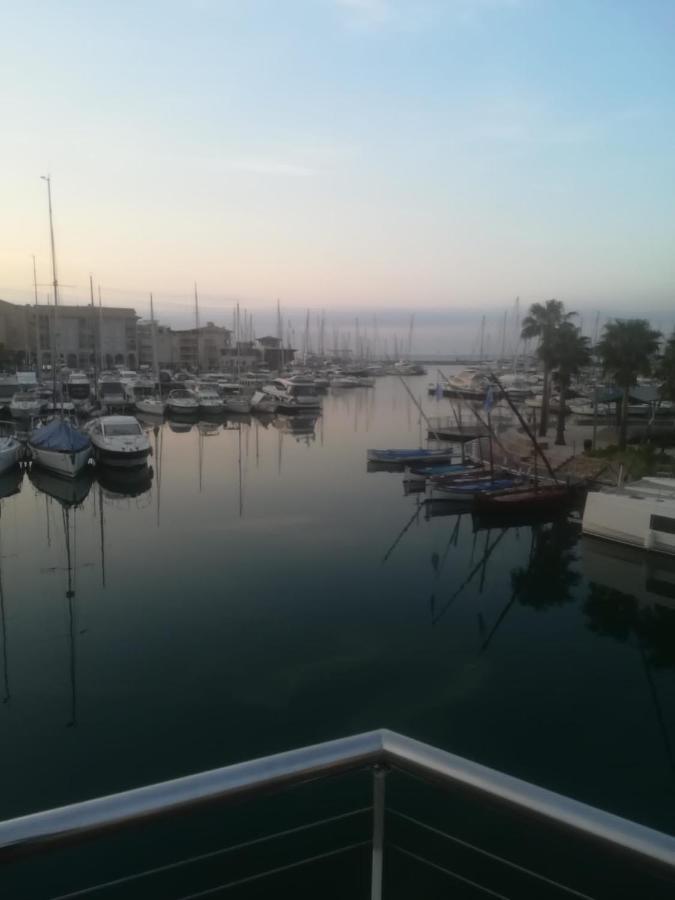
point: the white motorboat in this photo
(11, 451)
(119, 441)
(638, 517)
(182, 401)
(26, 405)
(236, 399)
(60, 447)
(152, 406)
(261, 403)
(78, 388)
(113, 395)
(292, 396)
(210, 401)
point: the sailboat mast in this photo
(55, 282)
(93, 328)
(197, 324)
(38, 365)
(153, 336)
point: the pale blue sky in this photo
(384, 153)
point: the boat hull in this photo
(121, 459)
(644, 522)
(63, 462)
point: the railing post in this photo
(379, 775)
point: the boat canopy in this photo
(60, 435)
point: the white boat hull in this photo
(151, 407)
(645, 522)
(10, 455)
(62, 462)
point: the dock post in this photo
(379, 775)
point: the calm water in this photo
(264, 591)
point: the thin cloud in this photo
(271, 167)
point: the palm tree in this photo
(627, 349)
(542, 321)
(570, 353)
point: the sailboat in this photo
(153, 405)
(58, 445)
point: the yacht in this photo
(182, 401)
(235, 398)
(642, 514)
(113, 395)
(60, 447)
(208, 397)
(118, 441)
(293, 395)
(145, 398)
(78, 388)
(262, 403)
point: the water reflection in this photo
(256, 573)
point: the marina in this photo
(105, 552)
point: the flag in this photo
(488, 403)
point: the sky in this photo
(380, 156)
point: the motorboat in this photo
(210, 401)
(11, 451)
(151, 406)
(630, 516)
(236, 399)
(262, 403)
(78, 388)
(119, 441)
(183, 401)
(113, 395)
(293, 395)
(26, 404)
(60, 447)
(146, 398)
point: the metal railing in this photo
(380, 751)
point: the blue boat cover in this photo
(59, 435)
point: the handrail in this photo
(43, 830)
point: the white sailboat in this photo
(154, 405)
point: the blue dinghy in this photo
(408, 457)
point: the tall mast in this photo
(153, 334)
(197, 324)
(38, 365)
(100, 330)
(55, 281)
(93, 326)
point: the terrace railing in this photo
(624, 856)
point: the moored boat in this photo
(60, 447)
(408, 457)
(119, 441)
(182, 401)
(634, 518)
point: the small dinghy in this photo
(60, 447)
(408, 457)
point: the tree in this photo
(666, 369)
(542, 321)
(570, 352)
(627, 349)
